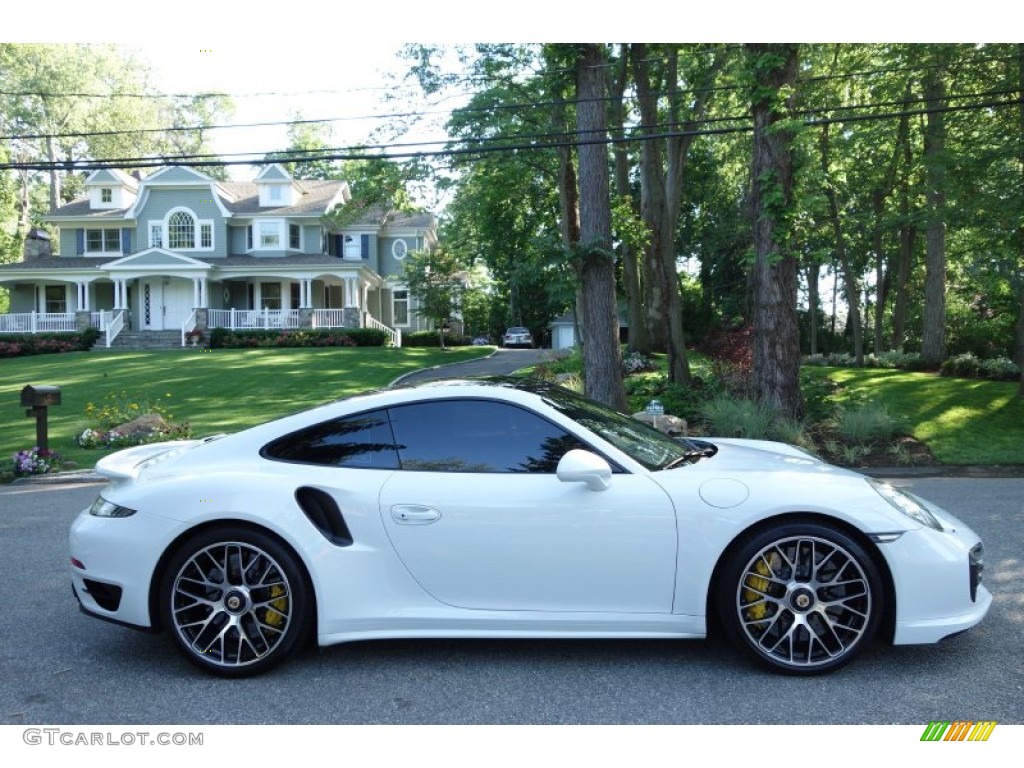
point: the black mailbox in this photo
(42, 395)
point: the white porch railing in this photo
(38, 322)
(187, 326)
(395, 334)
(253, 319)
(99, 320)
(113, 327)
(328, 318)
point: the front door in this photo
(164, 304)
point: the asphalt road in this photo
(60, 666)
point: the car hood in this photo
(736, 455)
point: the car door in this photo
(480, 519)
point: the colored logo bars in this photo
(958, 730)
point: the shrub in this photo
(737, 417)
(222, 338)
(965, 365)
(1000, 369)
(867, 423)
(20, 344)
(637, 362)
(433, 339)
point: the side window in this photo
(477, 436)
(360, 442)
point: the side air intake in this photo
(323, 513)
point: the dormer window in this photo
(275, 193)
(106, 195)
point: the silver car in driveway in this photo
(517, 337)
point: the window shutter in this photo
(80, 241)
(364, 246)
(126, 240)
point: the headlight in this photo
(906, 504)
(103, 508)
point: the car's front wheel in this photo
(801, 598)
(235, 600)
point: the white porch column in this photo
(308, 286)
(196, 292)
(204, 293)
(351, 292)
(82, 297)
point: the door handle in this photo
(414, 514)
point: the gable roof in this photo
(111, 177)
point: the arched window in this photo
(181, 230)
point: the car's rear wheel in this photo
(235, 600)
(801, 598)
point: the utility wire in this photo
(89, 165)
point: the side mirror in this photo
(579, 466)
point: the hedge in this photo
(433, 339)
(21, 344)
(222, 338)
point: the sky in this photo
(311, 82)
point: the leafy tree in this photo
(307, 140)
(436, 280)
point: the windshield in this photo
(639, 441)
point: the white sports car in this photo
(511, 508)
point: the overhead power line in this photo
(360, 154)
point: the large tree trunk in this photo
(661, 194)
(602, 360)
(813, 298)
(933, 335)
(881, 276)
(631, 277)
(850, 278)
(776, 374)
(1019, 346)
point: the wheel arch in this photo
(888, 621)
(155, 617)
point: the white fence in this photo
(253, 319)
(38, 322)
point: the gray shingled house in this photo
(159, 256)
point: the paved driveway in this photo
(501, 363)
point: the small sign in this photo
(655, 408)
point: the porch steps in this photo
(143, 340)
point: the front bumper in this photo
(120, 557)
(937, 579)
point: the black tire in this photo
(801, 598)
(236, 601)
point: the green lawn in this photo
(222, 390)
(962, 421)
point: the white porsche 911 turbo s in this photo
(511, 508)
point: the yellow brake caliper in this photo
(756, 606)
(275, 614)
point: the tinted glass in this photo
(477, 436)
(362, 441)
(643, 443)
